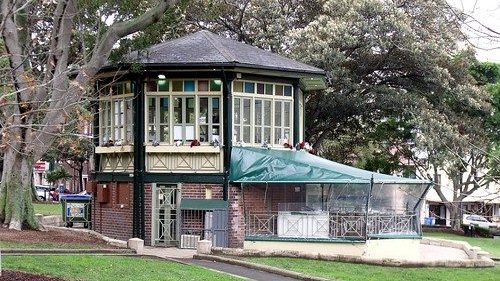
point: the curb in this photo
(266, 268)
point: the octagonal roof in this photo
(205, 48)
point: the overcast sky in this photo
(487, 12)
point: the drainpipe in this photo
(227, 129)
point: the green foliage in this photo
(486, 72)
(57, 174)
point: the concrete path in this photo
(240, 271)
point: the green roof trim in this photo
(312, 84)
(203, 204)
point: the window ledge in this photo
(114, 149)
(182, 149)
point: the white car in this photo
(43, 192)
(477, 221)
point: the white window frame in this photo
(238, 127)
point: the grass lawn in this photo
(109, 268)
(355, 272)
(488, 244)
(48, 208)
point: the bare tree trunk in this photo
(16, 208)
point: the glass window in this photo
(116, 115)
(177, 86)
(260, 88)
(209, 119)
(189, 86)
(278, 90)
(163, 85)
(203, 85)
(215, 85)
(176, 117)
(262, 112)
(249, 87)
(238, 86)
(269, 89)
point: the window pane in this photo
(215, 110)
(189, 133)
(249, 87)
(151, 110)
(260, 88)
(278, 90)
(190, 110)
(287, 135)
(287, 114)
(152, 133)
(216, 133)
(237, 134)
(246, 111)
(203, 85)
(238, 86)
(258, 134)
(269, 89)
(204, 133)
(164, 110)
(236, 111)
(267, 113)
(267, 135)
(164, 133)
(129, 121)
(128, 88)
(178, 110)
(177, 132)
(277, 113)
(288, 91)
(277, 135)
(189, 86)
(177, 86)
(163, 85)
(246, 134)
(258, 112)
(215, 85)
(203, 119)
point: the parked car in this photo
(477, 221)
(43, 192)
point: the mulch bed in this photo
(8, 275)
(50, 235)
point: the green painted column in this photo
(139, 158)
(227, 95)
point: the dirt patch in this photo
(51, 235)
(22, 276)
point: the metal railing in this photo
(328, 225)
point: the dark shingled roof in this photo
(206, 48)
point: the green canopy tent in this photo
(349, 189)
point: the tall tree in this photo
(54, 50)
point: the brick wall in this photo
(197, 190)
(148, 205)
(114, 218)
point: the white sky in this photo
(487, 12)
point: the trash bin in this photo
(76, 208)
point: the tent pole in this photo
(367, 207)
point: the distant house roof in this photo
(205, 48)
